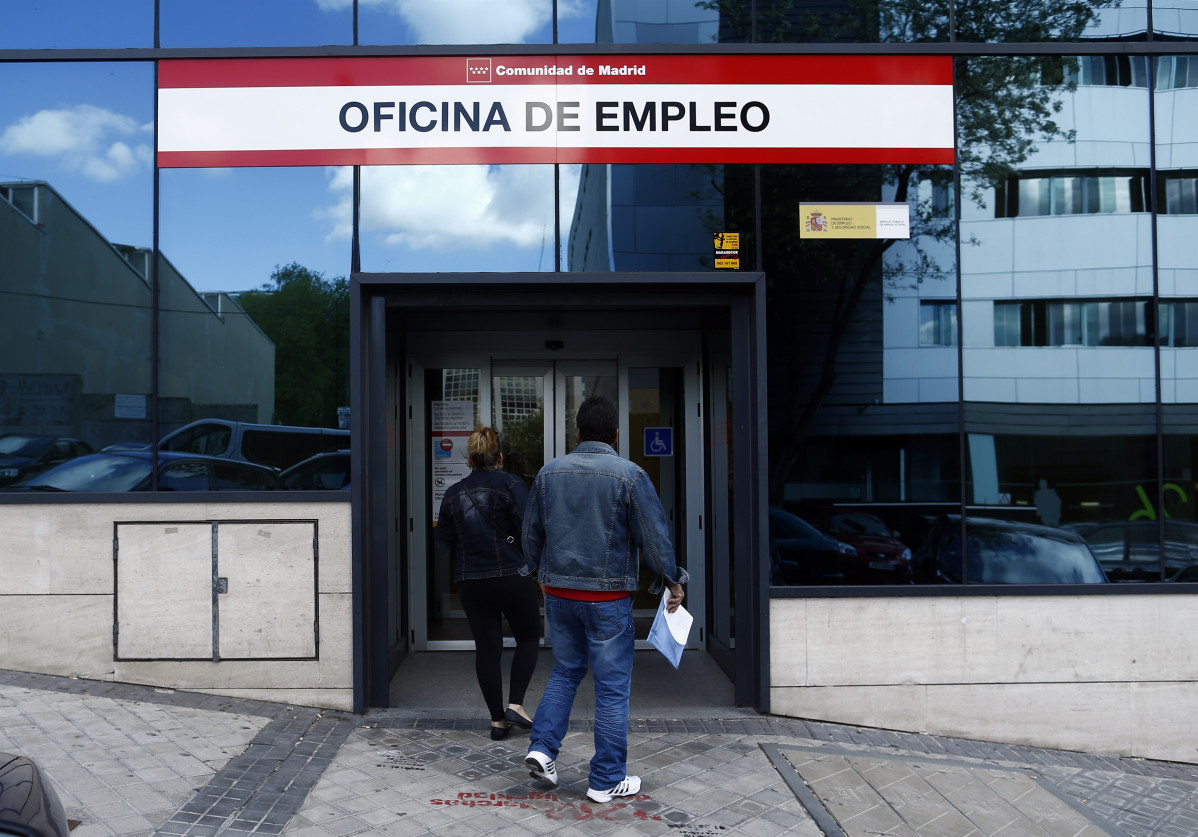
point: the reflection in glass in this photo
(493, 22)
(1005, 552)
(76, 201)
(518, 415)
(998, 21)
(77, 24)
(446, 618)
(252, 329)
(654, 401)
(457, 218)
(262, 23)
(1177, 229)
(1058, 325)
(1175, 19)
(579, 388)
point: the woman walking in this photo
(479, 525)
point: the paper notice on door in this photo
(451, 426)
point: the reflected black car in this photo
(29, 805)
(1004, 552)
(881, 558)
(327, 471)
(801, 554)
(24, 455)
(1130, 551)
(133, 471)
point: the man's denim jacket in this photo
(590, 517)
(479, 549)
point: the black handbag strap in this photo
(509, 538)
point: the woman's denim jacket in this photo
(479, 549)
(590, 517)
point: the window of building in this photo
(1073, 192)
(1070, 323)
(1177, 193)
(1110, 71)
(1176, 71)
(937, 324)
(1179, 323)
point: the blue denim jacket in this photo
(478, 549)
(590, 517)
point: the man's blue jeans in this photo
(601, 634)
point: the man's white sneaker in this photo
(630, 786)
(540, 766)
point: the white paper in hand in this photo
(669, 631)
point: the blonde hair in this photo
(483, 449)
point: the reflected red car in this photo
(881, 557)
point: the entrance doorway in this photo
(684, 356)
(532, 399)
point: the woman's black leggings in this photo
(486, 601)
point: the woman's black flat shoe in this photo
(500, 733)
(516, 719)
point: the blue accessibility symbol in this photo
(659, 441)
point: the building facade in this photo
(888, 460)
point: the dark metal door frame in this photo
(737, 297)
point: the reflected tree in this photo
(307, 318)
(1005, 107)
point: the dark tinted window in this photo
(208, 439)
(184, 476)
(283, 448)
(100, 472)
(231, 476)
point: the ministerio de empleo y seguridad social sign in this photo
(554, 109)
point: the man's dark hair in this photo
(598, 420)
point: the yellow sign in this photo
(855, 220)
(727, 250)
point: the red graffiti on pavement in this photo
(552, 806)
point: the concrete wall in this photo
(285, 623)
(1095, 674)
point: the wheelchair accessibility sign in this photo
(659, 441)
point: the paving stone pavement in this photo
(133, 760)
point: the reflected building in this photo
(77, 334)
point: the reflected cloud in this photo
(462, 21)
(84, 138)
(446, 208)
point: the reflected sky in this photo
(87, 130)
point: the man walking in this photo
(590, 516)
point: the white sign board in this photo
(527, 109)
(452, 424)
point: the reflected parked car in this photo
(23, 455)
(132, 471)
(800, 554)
(323, 472)
(1005, 552)
(29, 805)
(1130, 551)
(881, 557)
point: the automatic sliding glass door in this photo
(532, 404)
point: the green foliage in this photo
(307, 318)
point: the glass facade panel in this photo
(76, 235)
(495, 22)
(1175, 19)
(863, 368)
(77, 24)
(1177, 225)
(1058, 323)
(642, 217)
(262, 23)
(254, 328)
(1065, 309)
(468, 218)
